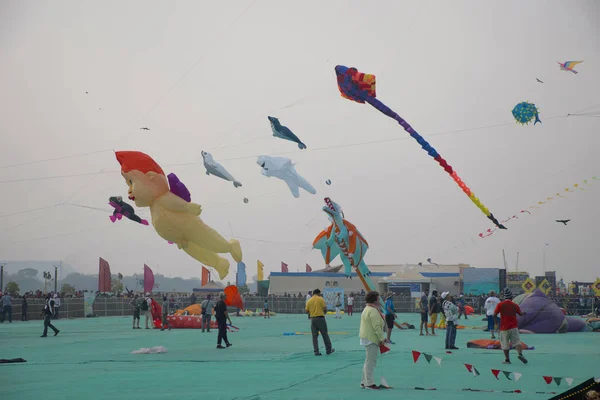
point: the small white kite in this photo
(283, 168)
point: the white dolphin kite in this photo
(216, 169)
(283, 168)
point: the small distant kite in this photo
(123, 209)
(525, 112)
(145, 129)
(564, 221)
(569, 65)
(246, 200)
(328, 181)
(284, 169)
(283, 132)
(538, 80)
(213, 167)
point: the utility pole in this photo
(2, 275)
(517, 266)
(56, 276)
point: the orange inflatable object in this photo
(469, 310)
(194, 322)
(194, 309)
(491, 344)
(233, 297)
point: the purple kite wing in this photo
(178, 188)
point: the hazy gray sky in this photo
(202, 77)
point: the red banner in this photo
(205, 276)
(284, 267)
(104, 284)
(308, 268)
(148, 279)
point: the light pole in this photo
(56, 276)
(544, 258)
(2, 275)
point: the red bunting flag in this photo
(496, 372)
(469, 367)
(548, 379)
(416, 355)
(284, 267)
(383, 348)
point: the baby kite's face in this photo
(145, 188)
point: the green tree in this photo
(116, 286)
(244, 289)
(67, 290)
(12, 288)
(27, 273)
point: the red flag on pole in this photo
(205, 276)
(284, 267)
(148, 279)
(104, 284)
(308, 268)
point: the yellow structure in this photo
(528, 286)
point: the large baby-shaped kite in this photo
(175, 219)
(360, 87)
(283, 168)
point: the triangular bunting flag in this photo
(548, 379)
(416, 355)
(469, 367)
(558, 380)
(517, 376)
(496, 372)
(438, 360)
(507, 374)
(569, 381)
(428, 357)
(475, 372)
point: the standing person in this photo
(24, 308)
(371, 336)
(165, 314)
(207, 308)
(509, 330)
(434, 309)
(490, 307)
(390, 315)
(461, 307)
(266, 311)
(193, 299)
(451, 312)
(316, 309)
(56, 306)
(308, 296)
(146, 306)
(48, 312)
(338, 306)
(350, 303)
(222, 317)
(424, 304)
(135, 304)
(6, 305)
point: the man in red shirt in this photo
(509, 330)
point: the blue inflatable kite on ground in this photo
(525, 112)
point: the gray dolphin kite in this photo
(283, 132)
(216, 169)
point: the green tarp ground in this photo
(90, 359)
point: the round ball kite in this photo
(246, 200)
(525, 112)
(328, 181)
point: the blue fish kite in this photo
(283, 132)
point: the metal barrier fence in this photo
(107, 307)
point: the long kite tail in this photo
(435, 155)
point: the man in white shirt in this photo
(490, 306)
(308, 296)
(350, 303)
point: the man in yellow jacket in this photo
(371, 336)
(316, 309)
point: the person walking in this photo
(509, 329)
(146, 306)
(165, 314)
(135, 304)
(316, 309)
(451, 312)
(461, 307)
(390, 316)
(350, 304)
(490, 306)
(6, 305)
(338, 306)
(24, 306)
(222, 317)
(207, 307)
(424, 304)
(48, 312)
(266, 311)
(371, 337)
(434, 309)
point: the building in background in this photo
(477, 281)
(515, 281)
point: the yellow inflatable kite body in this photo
(173, 218)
